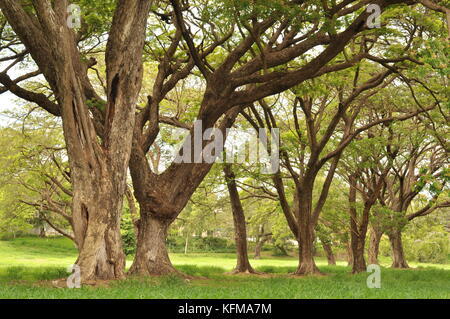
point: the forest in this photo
(162, 148)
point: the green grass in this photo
(28, 264)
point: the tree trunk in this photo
(151, 256)
(398, 255)
(243, 263)
(357, 244)
(329, 253)
(97, 207)
(306, 234)
(374, 246)
(359, 262)
(307, 264)
(165, 195)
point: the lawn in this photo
(27, 266)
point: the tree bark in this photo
(243, 263)
(307, 265)
(329, 253)
(359, 262)
(96, 213)
(398, 255)
(306, 234)
(374, 246)
(151, 256)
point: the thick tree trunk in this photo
(357, 244)
(243, 263)
(398, 255)
(97, 207)
(307, 264)
(98, 169)
(374, 246)
(329, 253)
(306, 233)
(152, 258)
(359, 262)
(164, 195)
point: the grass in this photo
(27, 265)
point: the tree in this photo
(418, 163)
(317, 147)
(34, 171)
(367, 181)
(243, 263)
(233, 80)
(98, 167)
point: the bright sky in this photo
(7, 102)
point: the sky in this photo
(7, 102)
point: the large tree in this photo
(98, 166)
(247, 52)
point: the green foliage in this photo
(200, 244)
(128, 235)
(424, 240)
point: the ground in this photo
(28, 266)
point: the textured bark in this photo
(357, 237)
(243, 263)
(329, 253)
(374, 246)
(258, 248)
(151, 256)
(307, 265)
(359, 262)
(306, 225)
(398, 255)
(96, 218)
